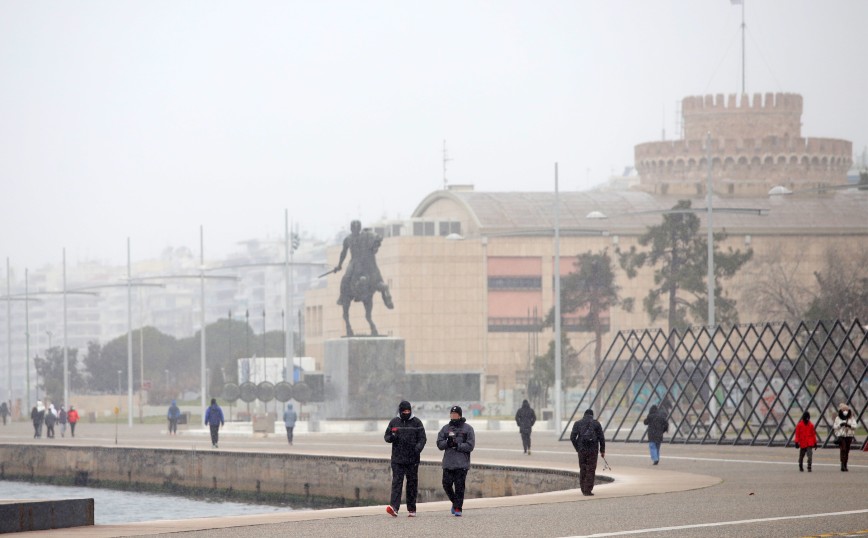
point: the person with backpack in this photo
(657, 426)
(525, 418)
(406, 434)
(72, 416)
(588, 440)
(173, 415)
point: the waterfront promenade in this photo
(695, 491)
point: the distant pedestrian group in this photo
(52, 418)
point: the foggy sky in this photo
(148, 119)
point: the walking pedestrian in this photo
(173, 415)
(289, 419)
(525, 418)
(457, 440)
(4, 411)
(62, 419)
(406, 433)
(845, 430)
(37, 422)
(50, 420)
(657, 426)
(214, 419)
(72, 416)
(806, 440)
(587, 438)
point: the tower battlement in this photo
(756, 143)
(734, 116)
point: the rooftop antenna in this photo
(445, 160)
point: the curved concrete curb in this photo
(628, 482)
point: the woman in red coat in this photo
(806, 440)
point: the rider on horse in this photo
(363, 277)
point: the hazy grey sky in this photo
(145, 119)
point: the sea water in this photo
(113, 507)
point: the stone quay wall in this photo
(296, 479)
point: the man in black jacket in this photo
(525, 418)
(587, 437)
(407, 435)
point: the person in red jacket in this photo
(72, 417)
(806, 440)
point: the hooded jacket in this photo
(806, 435)
(588, 423)
(174, 412)
(289, 417)
(844, 425)
(657, 425)
(525, 417)
(458, 456)
(407, 436)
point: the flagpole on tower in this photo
(743, 29)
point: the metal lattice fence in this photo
(741, 384)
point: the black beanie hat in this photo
(456, 409)
(404, 406)
(589, 412)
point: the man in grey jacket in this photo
(457, 440)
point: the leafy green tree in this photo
(591, 287)
(50, 371)
(679, 253)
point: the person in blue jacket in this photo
(173, 415)
(289, 418)
(214, 419)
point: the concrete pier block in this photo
(40, 515)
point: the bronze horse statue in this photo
(362, 279)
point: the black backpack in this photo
(588, 437)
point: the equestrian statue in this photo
(362, 279)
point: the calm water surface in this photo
(112, 506)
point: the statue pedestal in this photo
(364, 377)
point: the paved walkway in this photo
(696, 491)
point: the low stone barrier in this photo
(296, 479)
(21, 516)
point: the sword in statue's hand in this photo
(327, 273)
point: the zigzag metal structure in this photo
(740, 385)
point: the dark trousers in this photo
(525, 440)
(72, 428)
(844, 446)
(587, 470)
(456, 478)
(810, 452)
(49, 431)
(399, 471)
(173, 425)
(289, 433)
(214, 429)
